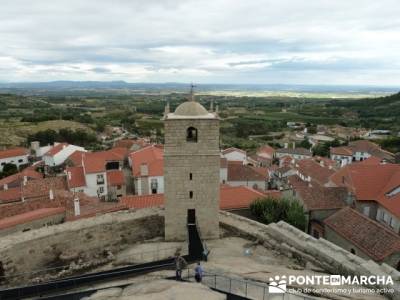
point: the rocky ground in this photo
(230, 257)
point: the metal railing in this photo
(242, 287)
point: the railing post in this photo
(246, 289)
(264, 290)
(215, 281)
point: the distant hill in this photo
(40, 87)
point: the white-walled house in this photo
(148, 170)
(240, 174)
(16, 156)
(59, 153)
(98, 174)
(295, 153)
(358, 151)
(234, 154)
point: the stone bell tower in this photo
(191, 171)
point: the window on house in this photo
(366, 211)
(191, 194)
(191, 135)
(100, 179)
(154, 185)
(20, 160)
(101, 190)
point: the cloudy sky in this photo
(215, 41)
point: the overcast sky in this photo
(216, 41)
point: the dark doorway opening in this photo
(2, 272)
(191, 216)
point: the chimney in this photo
(51, 194)
(69, 175)
(25, 180)
(144, 169)
(285, 145)
(5, 186)
(77, 206)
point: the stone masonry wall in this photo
(292, 242)
(85, 239)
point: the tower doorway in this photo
(191, 216)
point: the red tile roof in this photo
(371, 237)
(317, 173)
(372, 183)
(115, 177)
(95, 162)
(13, 152)
(143, 201)
(75, 177)
(239, 172)
(56, 149)
(128, 143)
(10, 195)
(29, 173)
(344, 151)
(30, 216)
(363, 146)
(231, 198)
(153, 156)
(298, 151)
(233, 149)
(266, 151)
(76, 158)
(321, 198)
(240, 197)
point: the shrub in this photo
(269, 210)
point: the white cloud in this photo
(286, 41)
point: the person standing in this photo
(198, 272)
(180, 264)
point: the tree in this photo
(305, 144)
(8, 170)
(269, 210)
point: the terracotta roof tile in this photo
(321, 198)
(239, 172)
(299, 150)
(371, 183)
(115, 177)
(371, 237)
(75, 177)
(153, 156)
(30, 216)
(233, 149)
(266, 151)
(10, 195)
(18, 178)
(13, 152)
(56, 149)
(317, 173)
(231, 198)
